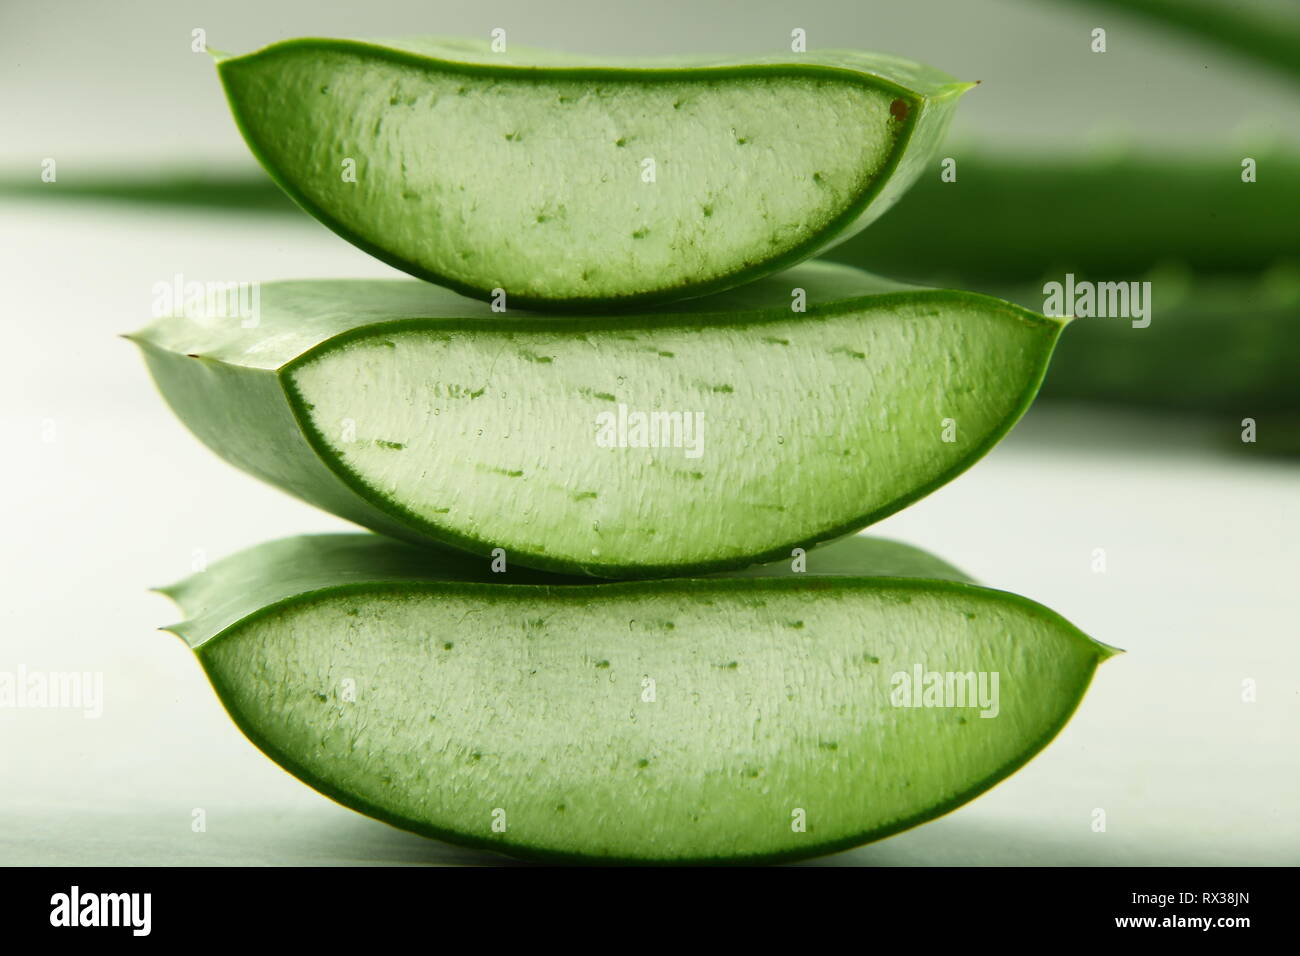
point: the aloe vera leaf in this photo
(1013, 219)
(178, 187)
(564, 181)
(687, 720)
(423, 415)
(1265, 31)
(1218, 345)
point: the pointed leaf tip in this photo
(171, 592)
(1109, 650)
(954, 90)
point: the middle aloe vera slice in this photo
(726, 431)
(562, 180)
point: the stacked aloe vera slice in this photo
(634, 378)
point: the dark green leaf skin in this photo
(232, 387)
(930, 97)
(260, 588)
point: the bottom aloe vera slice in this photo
(706, 437)
(755, 715)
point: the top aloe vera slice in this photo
(424, 415)
(564, 181)
(756, 716)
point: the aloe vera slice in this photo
(755, 716)
(563, 180)
(418, 413)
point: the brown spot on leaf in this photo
(898, 109)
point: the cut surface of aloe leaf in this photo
(424, 415)
(564, 180)
(763, 715)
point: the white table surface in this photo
(1200, 588)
